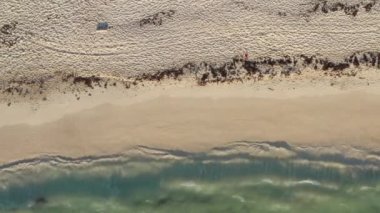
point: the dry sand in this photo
(187, 117)
(62, 35)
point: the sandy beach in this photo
(184, 116)
(193, 106)
(187, 75)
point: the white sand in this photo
(62, 36)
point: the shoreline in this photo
(54, 180)
(155, 106)
(184, 116)
(343, 158)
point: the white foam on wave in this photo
(267, 181)
(303, 182)
(279, 207)
(309, 182)
(239, 198)
(192, 185)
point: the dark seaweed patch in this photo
(7, 29)
(369, 6)
(40, 201)
(239, 68)
(7, 37)
(328, 65)
(242, 5)
(349, 9)
(88, 81)
(163, 201)
(157, 18)
(160, 75)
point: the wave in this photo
(345, 155)
(272, 158)
(240, 171)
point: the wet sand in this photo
(193, 119)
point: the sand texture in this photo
(186, 75)
(194, 119)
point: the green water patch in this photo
(198, 183)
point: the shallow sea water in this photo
(195, 183)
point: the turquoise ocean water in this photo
(244, 178)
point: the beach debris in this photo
(40, 201)
(8, 28)
(103, 26)
(325, 6)
(157, 18)
(240, 68)
(7, 37)
(162, 200)
(88, 81)
(246, 55)
(243, 5)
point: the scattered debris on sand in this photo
(325, 6)
(7, 36)
(238, 69)
(157, 18)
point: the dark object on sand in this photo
(87, 80)
(40, 200)
(103, 26)
(157, 18)
(8, 28)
